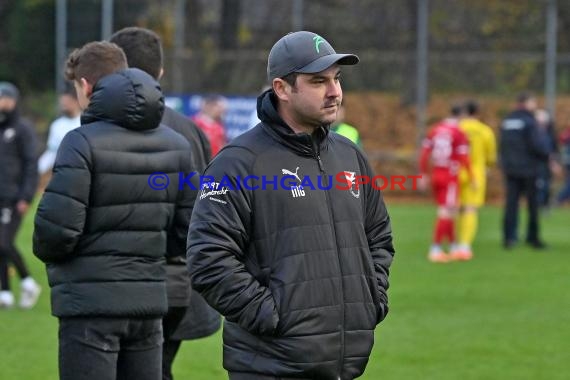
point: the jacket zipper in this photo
(341, 288)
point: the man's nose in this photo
(333, 89)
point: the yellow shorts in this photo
(470, 196)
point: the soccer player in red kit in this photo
(446, 148)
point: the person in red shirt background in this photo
(209, 120)
(445, 149)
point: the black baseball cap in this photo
(304, 52)
(8, 90)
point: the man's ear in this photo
(86, 87)
(281, 89)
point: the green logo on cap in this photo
(318, 40)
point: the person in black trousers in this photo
(104, 230)
(189, 316)
(522, 148)
(18, 182)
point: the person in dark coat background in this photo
(545, 124)
(522, 150)
(18, 183)
(189, 316)
(564, 194)
(104, 226)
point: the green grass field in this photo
(504, 315)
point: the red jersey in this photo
(213, 130)
(446, 147)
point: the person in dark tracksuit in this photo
(189, 316)
(545, 124)
(564, 194)
(103, 228)
(522, 149)
(300, 273)
(18, 183)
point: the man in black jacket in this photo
(299, 273)
(102, 230)
(189, 316)
(522, 149)
(18, 182)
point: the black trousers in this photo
(10, 220)
(516, 187)
(170, 347)
(110, 348)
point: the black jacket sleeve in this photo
(379, 236)
(206, 151)
(28, 146)
(61, 214)
(176, 242)
(218, 238)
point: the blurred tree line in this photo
(475, 46)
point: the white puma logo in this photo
(287, 172)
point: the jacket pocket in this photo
(379, 296)
(381, 307)
(264, 279)
(277, 295)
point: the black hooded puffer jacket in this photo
(301, 274)
(100, 227)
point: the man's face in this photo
(218, 110)
(542, 118)
(316, 98)
(68, 105)
(531, 104)
(7, 104)
(83, 92)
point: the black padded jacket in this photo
(299, 273)
(523, 146)
(100, 227)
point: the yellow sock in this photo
(467, 227)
